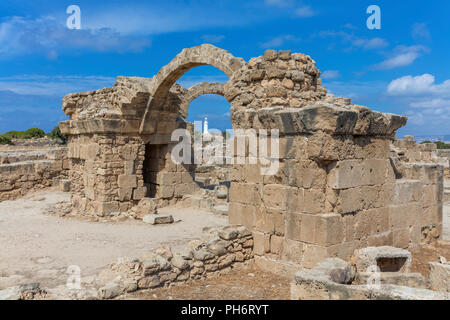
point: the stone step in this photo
(158, 219)
(221, 209)
(413, 280)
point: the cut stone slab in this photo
(439, 276)
(387, 259)
(158, 219)
(413, 280)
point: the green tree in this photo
(56, 134)
(5, 140)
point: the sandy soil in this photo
(37, 247)
(247, 284)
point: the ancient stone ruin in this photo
(338, 188)
(346, 195)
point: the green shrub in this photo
(439, 144)
(34, 133)
(13, 135)
(442, 145)
(56, 134)
(28, 134)
(5, 140)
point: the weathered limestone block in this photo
(388, 259)
(158, 219)
(242, 214)
(127, 181)
(439, 276)
(277, 196)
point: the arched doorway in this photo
(167, 110)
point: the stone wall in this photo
(220, 251)
(407, 150)
(338, 187)
(332, 195)
(111, 173)
(23, 171)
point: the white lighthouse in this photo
(205, 127)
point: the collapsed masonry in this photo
(337, 189)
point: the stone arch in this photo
(198, 90)
(187, 59)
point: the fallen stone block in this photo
(109, 291)
(439, 276)
(158, 219)
(387, 259)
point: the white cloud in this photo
(19, 36)
(420, 31)
(330, 74)
(434, 103)
(279, 3)
(428, 102)
(279, 41)
(350, 26)
(354, 41)
(370, 44)
(419, 85)
(402, 56)
(53, 85)
(150, 17)
(305, 12)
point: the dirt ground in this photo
(38, 247)
(247, 284)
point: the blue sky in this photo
(403, 68)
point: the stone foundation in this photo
(220, 251)
(24, 171)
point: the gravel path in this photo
(37, 247)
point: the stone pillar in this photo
(335, 189)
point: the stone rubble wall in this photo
(108, 176)
(220, 251)
(276, 79)
(23, 171)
